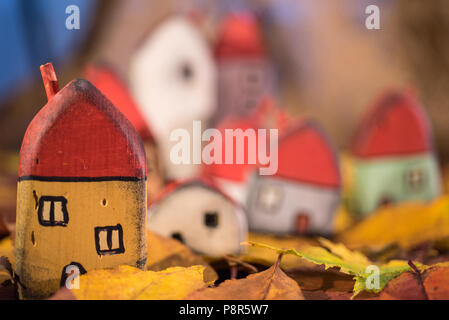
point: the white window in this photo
(415, 179)
(109, 240)
(269, 197)
(53, 211)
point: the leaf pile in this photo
(349, 262)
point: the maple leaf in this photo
(129, 283)
(350, 262)
(166, 252)
(407, 225)
(271, 284)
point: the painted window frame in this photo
(109, 230)
(51, 222)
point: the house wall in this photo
(378, 178)
(294, 198)
(242, 83)
(40, 265)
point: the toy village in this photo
(198, 152)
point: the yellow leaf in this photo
(7, 249)
(406, 225)
(166, 252)
(129, 283)
(268, 258)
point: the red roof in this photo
(108, 82)
(235, 172)
(199, 181)
(396, 125)
(80, 134)
(240, 37)
(307, 155)
(265, 116)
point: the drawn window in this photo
(109, 240)
(415, 179)
(269, 198)
(211, 219)
(53, 211)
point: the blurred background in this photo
(328, 65)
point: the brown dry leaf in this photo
(432, 284)
(129, 283)
(407, 225)
(166, 252)
(6, 273)
(271, 284)
(257, 255)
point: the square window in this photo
(415, 179)
(53, 211)
(269, 198)
(211, 219)
(109, 240)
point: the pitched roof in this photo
(80, 134)
(239, 37)
(396, 125)
(265, 116)
(306, 155)
(200, 181)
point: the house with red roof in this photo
(245, 72)
(234, 177)
(172, 77)
(304, 193)
(197, 213)
(81, 190)
(393, 155)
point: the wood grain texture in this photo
(81, 191)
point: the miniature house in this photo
(81, 190)
(234, 178)
(105, 79)
(245, 74)
(201, 216)
(172, 79)
(304, 193)
(393, 155)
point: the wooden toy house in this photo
(172, 78)
(81, 192)
(393, 155)
(197, 213)
(234, 178)
(245, 74)
(304, 193)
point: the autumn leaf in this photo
(271, 284)
(129, 283)
(6, 272)
(407, 225)
(350, 262)
(166, 252)
(7, 249)
(257, 255)
(432, 284)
